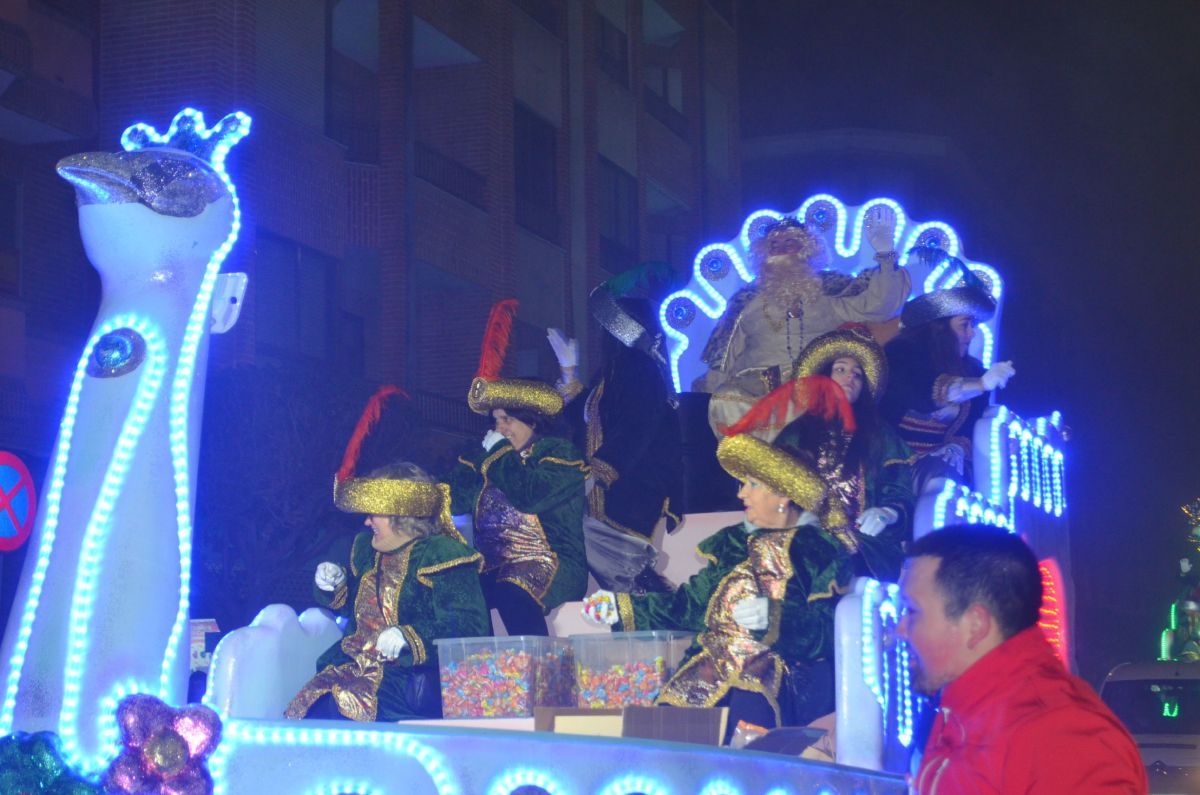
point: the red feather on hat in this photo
(366, 423)
(495, 339)
(817, 395)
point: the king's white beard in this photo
(788, 281)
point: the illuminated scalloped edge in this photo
(847, 240)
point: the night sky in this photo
(1079, 130)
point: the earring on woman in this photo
(781, 507)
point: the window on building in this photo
(618, 199)
(293, 300)
(612, 51)
(662, 70)
(547, 13)
(668, 226)
(10, 237)
(535, 161)
(352, 79)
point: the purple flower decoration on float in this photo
(164, 748)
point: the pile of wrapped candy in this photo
(506, 682)
(634, 683)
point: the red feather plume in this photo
(816, 394)
(495, 339)
(366, 423)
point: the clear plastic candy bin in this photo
(623, 669)
(505, 677)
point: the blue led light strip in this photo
(511, 781)
(231, 129)
(720, 786)
(881, 614)
(237, 733)
(52, 507)
(635, 783)
(95, 539)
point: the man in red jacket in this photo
(1011, 718)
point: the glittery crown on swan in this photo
(177, 173)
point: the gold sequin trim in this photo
(415, 644)
(604, 471)
(578, 463)
(941, 388)
(526, 588)
(339, 597)
(625, 612)
(424, 572)
(834, 588)
(774, 621)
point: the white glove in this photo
(752, 612)
(566, 349)
(998, 376)
(330, 576)
(872, 521)
(601, 608)
(390, 643)
(880, 228)
(491, 439)
(1185, 565)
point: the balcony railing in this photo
(449, 175)
(659, 108)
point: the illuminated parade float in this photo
(95, 650)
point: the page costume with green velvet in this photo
(528, 510)
(882, 478)
(429, 588)
(802, 571)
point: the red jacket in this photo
(1018, 722)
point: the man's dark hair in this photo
(986, 565)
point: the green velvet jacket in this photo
(430, 589)
(547, 482)
(801, 623)
(888, 484)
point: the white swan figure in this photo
(101, 609)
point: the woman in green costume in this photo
(412, 580)
(763, 606)
(524, 487)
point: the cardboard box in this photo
(573, 720)
(700, 725)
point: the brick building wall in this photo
(415, 248)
